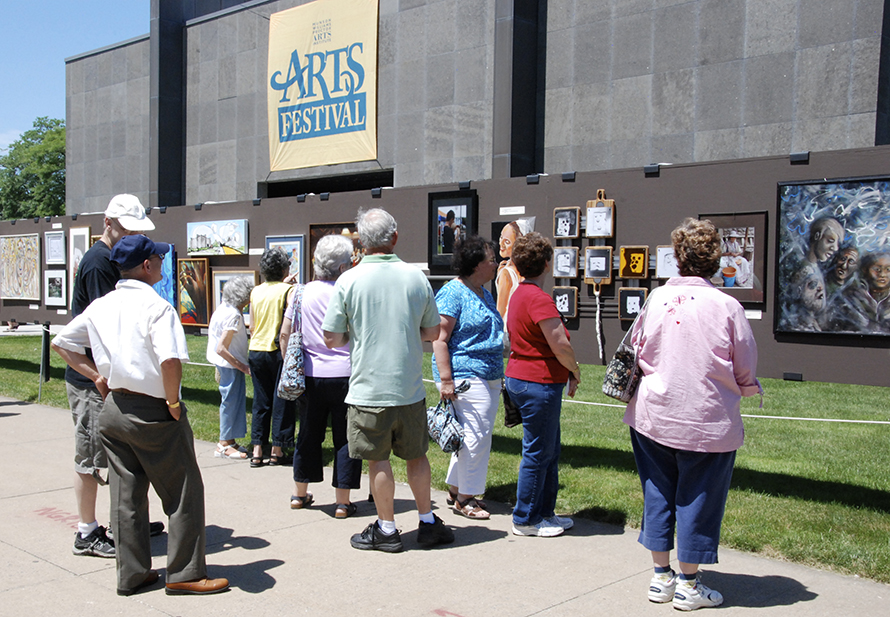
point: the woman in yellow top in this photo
(267, 303)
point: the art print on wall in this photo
(630, 302)
(166, 287)
(221, 277)
(666, 262)
(54, 290)
(293, 246)
(78, 245)
(565, 262)
(833, 259)
(743, 255)
(600, 222)
(317, 232)
(20, 267)
(453, 216)
(194, 291)
(566, 300)
(227, 237)
(633, 262)
(566, 223)
(598, 265)
(54, 248)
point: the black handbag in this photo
(623, 372)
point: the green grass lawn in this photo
(816, 493)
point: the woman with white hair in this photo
(227, 350)
(327, 382)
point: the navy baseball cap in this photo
(130, 251)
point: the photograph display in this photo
(833, 262)
(293, 246)
(566, 222)
(598, 265)
(600, 221)
(20, 267)
(227, 237)
(54, 291)
(565, 262)
(78, 244)
(54, 247)
(453, 215)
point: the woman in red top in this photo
(541, 362)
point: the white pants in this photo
(476, 410)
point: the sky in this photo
(35, 38)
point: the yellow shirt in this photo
(267, 302)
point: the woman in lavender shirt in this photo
(698, 358)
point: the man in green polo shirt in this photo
(385, 308)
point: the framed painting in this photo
(194, 291)
(228, 237)
(665, 262)
(566, 300)
(221, 277)
(316, 232)
(78, 245)
(566, 223)
(565, 262)
(598, 265)
(293, 246)
(833, 257)
(166, 287)
(54, 248)
(743, 256)
(633, 262)
(54, 289)
(452, 216)
(630, 302)
(20, 267)
(600, 220)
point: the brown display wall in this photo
(648, 207)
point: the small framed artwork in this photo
(227, 237)
(742, 272)
(54, 248)
(453, 215)
(293, 246)
(54, 290)
(194, 291)
(20, 267)
(221, 277)
(78, 245)
(665, 262)
(600, 220)
(566, 300)
(566, 222)
(565, 262)
(634, 262)
(598, 265)
(630, 302)
(166, 287)
(316, 232)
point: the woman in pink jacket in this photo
(698, 358)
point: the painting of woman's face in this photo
(508, 238)
(879, 275)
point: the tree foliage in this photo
(32, 172)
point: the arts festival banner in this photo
(322, 84)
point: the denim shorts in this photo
(375, 432)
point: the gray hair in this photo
(376, 228)
(236, 291)
(331, 252)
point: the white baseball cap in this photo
(128, 211)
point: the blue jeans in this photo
(538, 483)
(269, 411)
(233, 406)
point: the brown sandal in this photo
(471, 509)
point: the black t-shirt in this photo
(96, 276)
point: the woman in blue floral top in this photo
(470, 347)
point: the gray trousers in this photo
(145, 445)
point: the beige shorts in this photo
(375, 432)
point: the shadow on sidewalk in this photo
(749, 591)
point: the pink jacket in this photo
(698, 357)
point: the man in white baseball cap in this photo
(128, 211)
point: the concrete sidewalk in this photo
(282, 561)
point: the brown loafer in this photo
(150, 579)
(204, 586)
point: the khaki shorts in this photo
(86, 405)
(375, 432)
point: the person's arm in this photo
(429, 334)
(504, 284)
(250, 316)
(171, 373)
(335, 339)
(443, 357)
(555, 333)
(222, 350)
(284, 336)
(86, 367)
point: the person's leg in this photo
(347, 470)
(262, 401)
(418, 472)
(86, 489)
(550, 489)
(659, 475)
(86, 405)
(308, 466)
(476, 410)
(383, 487)
(284, 415)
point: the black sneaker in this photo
(154, 529)
(96, 544)
(429, 534)
(373, 539)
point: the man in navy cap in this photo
(138, 346)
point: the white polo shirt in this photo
(131, 331)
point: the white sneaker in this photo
(544, 529)
(661, 587)
(561, 521)
(688, 597)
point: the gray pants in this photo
(145, 445)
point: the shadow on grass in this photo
(24, 366)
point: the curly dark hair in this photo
(697, 246)
(274, 264)
(470, 253)
(531, 254)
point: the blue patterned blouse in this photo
(477, 341)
